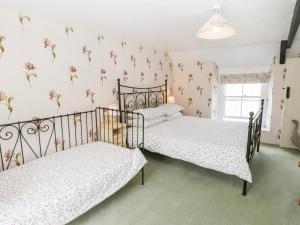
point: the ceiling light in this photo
(216, 27)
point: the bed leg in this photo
(245, 188)
(143, 176)
(258, 144)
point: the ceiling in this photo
(169, 24)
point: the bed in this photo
(223, 146)
(57, 188)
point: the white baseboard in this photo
(268, 139)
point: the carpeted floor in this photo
(179, 193)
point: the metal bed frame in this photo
(24, 141)
(132, 98)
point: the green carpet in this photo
(179, 193)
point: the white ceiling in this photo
(169, 24)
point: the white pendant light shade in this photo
(217, 27)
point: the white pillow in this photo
(147, 123)
(149, 113)
(169, 109)
(174, 116)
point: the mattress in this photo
(60, 187)
(217, 145)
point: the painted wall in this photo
(195, 86)
(277, 103)
(49, 68)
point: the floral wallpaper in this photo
(49, 68)
(196, 87)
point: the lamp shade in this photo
(171, 99)
(216, 27)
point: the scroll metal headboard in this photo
(132, 98)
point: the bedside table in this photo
(113, 132)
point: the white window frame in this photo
(221, 103)
(241, 98)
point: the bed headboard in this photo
(24, 141)
(132, 98)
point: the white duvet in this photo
(217, 145)
(58, 188)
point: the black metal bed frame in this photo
(140, 97)
(133, 98)
(24, 141)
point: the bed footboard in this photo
(254, 134)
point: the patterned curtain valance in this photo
(245, 78)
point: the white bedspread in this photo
(58, 188)
(217, 145)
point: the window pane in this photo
(232, 106)
(250, 105)
(252, 89)
(233, 90)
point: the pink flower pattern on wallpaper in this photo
(200, 65)
(73, 75)
(171, 66)
(190, 101)
(90, 95)
(133, 60)
(180, 66)
(190, 78)
(142, 76)
(68, 30)
(200, 90)
(196, 87)
(125, 76)
(209, 77)
(10, 155)
(123, 44)
(100, 38)
(199, 113)
(284, 73)
(22, 20)
(161, 65)
(209, 102)
(113, 56)
(2, 49)
(36, 121)
(114, 93)
(281, 104)
(29, 72)
(51, 47)
(93, 135)
(149, 63)
(274, 60)
(87, 52)
(180, 89)
(103, 75)
(7, 101)
(53, 95)
(77, 117)
(155, 78)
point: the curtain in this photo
(245, 78)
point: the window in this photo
(240, 99)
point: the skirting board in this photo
(268, 139)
